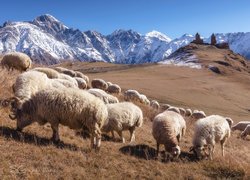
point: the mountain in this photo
(48, 41)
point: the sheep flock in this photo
(58, 95)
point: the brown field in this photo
(31, 155)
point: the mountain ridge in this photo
(49, 41)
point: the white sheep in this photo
(99, 83)
(131, 95)
(82, 84)
(53, 74)
(198, 114)
(57, 83)
(114, 88)
(68, 106)
(240, 126)
(66, 71)
(208, 131)
(123, 116)
(174, 109)
(83, 76)
(182, 111)
(107, 98)
(165, 106)
(154, 104)
(16, 60)
(246, 132)
(188, 112)
(143, 99)
(168, 129)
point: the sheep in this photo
(109, 83)
(208, 131)
(174, 109)
(240, 126)
(68, 106)
(82, 84)
(144, 100)
(16, 60)
(182, 111)
(246, 132)
(53, 74)
(107, 98)
(123, 116)
(81, 75)
(99, 83)
(154, 104)
(168, 129)
(64, 83)
(28, 83)
(188, 112)
(65, 71)
(114, 88)
(165, 106)
(198, 114)
(131, 95)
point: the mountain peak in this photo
(49, 24)
(46, 18)
(159, 35)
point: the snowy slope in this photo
(49, 41)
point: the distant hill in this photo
(207, 56)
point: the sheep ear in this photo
(230, 121)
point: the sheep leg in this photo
(120, 134)
(178, 138)
(55, 137)
(113, 135)
(211, 151)
(132, 134)
(157, 149)
(222, 142)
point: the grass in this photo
(31, 154)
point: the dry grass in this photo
(31, 155)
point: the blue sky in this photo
(172, 17)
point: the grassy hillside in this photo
(31, 155)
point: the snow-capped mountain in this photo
(49, 41)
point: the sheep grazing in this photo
(51, 73)
(16, 60)
(174, 109)
(240, 126)
(246, 132)
(81, 75)
(182, 111)
(208, 131)
(65, 71)
(131, 95)
(70, 107)
(135, 96)
(99, 83)
(168, 129)
(188, 112)
(123, 116)
(144, 100)
(154, 104)
(57, 83)
(165, 106)
(28, 83)
(107, 98)
(114, 88)
(198, 114)
(82, 84)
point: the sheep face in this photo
(176, 151)
(23, 119)
(200, 152)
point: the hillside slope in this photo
(31, 155)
